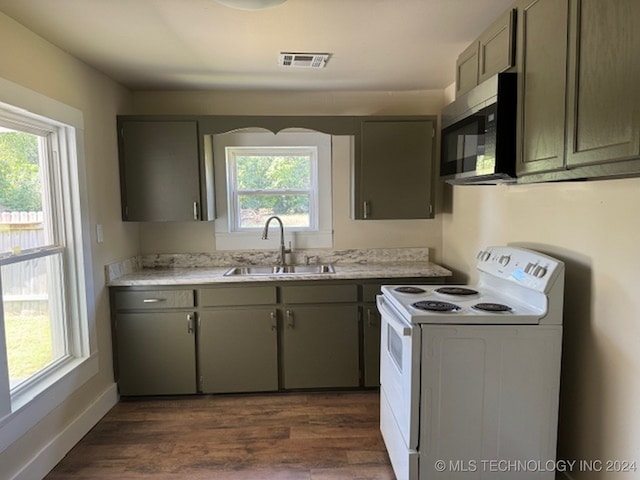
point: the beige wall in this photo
(595, 228)
(29, 61)
(191, 237)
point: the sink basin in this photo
(308, 269)
(278, 270)
(253, 271)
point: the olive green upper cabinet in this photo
(394, 170)
(603, 113)
(585, 123)
(161, 175)
(542, 66)
(497, 47)
(467, 69)
(493, 52)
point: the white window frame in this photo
(250, 239)
(233, 193)
(31, 401)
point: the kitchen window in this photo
(45, 341)
(263, 174)
(268, 181)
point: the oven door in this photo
(399, 389)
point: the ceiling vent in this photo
(303, 60)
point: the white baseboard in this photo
(51, 454)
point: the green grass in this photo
(29, 345)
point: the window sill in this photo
(33, 404)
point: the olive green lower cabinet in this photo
(238, 339)
(320, 346)
(156, 353)
(259, 337)
(371, 345)
(238, 350)
(371, 333)
(155, 341)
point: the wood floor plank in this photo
(301, 436)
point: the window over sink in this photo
(259, 174)
(266, 181)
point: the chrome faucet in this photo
(265, 236)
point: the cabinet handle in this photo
(369, 319)
(189, 323)
(153, 300)
(195, 211)
(274, 321)
(365, 209)
(290, 320)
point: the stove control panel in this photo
(525, 267)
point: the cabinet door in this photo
(160, 171)
(371, 335)
(238, 350)
(467, 70)
(604, 121)
(156, 353)
(542, 65)
(496, 47)
(320, 346)
(396, 165)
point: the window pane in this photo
(276, 172)
(33, 316)
(293, 210)
(22, 224)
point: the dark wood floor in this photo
(315, 436)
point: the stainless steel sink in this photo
(279, 270)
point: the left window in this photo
(41, 321)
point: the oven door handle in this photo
(392, 318)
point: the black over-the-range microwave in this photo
(478, 144)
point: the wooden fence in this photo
(24, 284)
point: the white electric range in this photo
(470, 374)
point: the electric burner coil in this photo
(492, 307)
(410, 290)
(435, 306)
(462, 291)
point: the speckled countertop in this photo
(197, 269)
(343, 271)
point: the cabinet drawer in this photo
(320, 294)
(225, 296)
(369, 292)
(149, 299)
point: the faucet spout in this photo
(265, 236)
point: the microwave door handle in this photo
(392, 318)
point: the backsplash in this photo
(263, 257)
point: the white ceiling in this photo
(388, 45)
